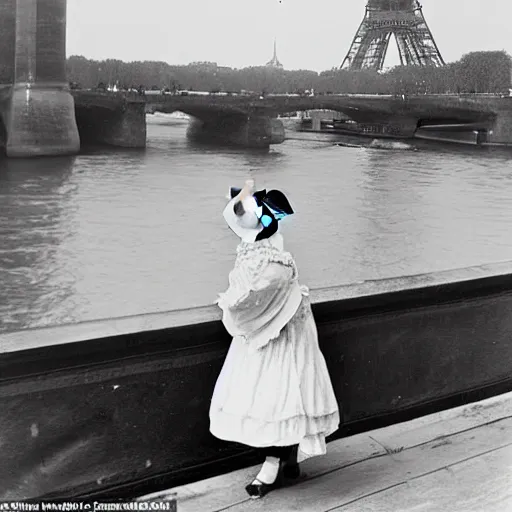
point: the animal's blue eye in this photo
(266, 221)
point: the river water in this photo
(115, 232)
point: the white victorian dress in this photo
(274, 388)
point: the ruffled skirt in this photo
(278, 395)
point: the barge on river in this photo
(337, 123)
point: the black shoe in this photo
(260, 489)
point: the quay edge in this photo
(120, 407)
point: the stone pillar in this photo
(41, 118)
(316, 122)
(7, 41)
(277, 131)
(257, 132)
(500, 131)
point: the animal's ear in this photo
(234, 191)
(259, 196)
(278, 203)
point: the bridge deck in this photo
(458, 460)
(107, 100)
(359, 107)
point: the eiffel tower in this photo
(383, 18)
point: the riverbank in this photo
(119, 407)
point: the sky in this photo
(311, 34)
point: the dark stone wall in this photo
(128, 414)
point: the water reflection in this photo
(35, 199)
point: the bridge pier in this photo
(40, 117)
(277, 131)
(501, 133)
(262, 131)
(252, 131)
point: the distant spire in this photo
(274, 63)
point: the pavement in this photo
(458, 460)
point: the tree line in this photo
(476, 72)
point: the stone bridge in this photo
(251, 121)
(396, 116)
(39, 115)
